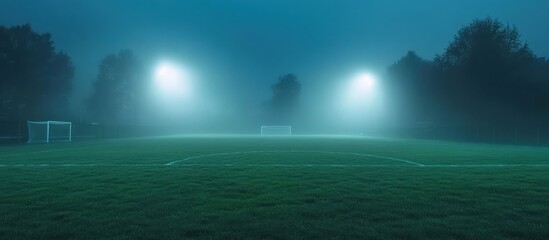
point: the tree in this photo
(285, 100)
(35, 79)
(485, 73)
(118, 90)
(540, 91)
(414, 88)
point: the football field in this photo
(251, 187)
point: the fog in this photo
(340, 67)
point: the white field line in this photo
(275, 165)
(484, 165)
(293, 165)
(80, 165)
(50, 150)
(46, 151)
(29, 153)
(363, 165)
(174, 163)
(328, 152)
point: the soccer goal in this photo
(276, 130)
(49, 131)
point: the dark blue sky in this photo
(248, 44)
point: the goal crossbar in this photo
(276, 130)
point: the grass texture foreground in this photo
(249, 187)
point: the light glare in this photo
(364, 81)
(359, 100)
(170, 80)
(361, 88)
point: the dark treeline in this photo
(283, 106)
(35, 79)
(487, 78)
(118, 93)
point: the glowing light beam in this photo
(361, 88)
(171, 80)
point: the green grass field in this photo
(246, 187)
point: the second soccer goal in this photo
(276, 130)
(49, 131)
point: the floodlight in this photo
(361, 88)
(171, 80)
(364, 82)
(359, 101)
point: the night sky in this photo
(248, 44)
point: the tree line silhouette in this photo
(35, 80)
(487, 77)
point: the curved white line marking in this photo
(292, 165)
(249, 152)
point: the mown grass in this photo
(209, 201)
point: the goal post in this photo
(276, 130)
(49, 131)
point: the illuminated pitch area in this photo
(257, 187)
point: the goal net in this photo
(276, 130)
(49, 131)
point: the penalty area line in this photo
(325, 152)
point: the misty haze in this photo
(244, 119)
